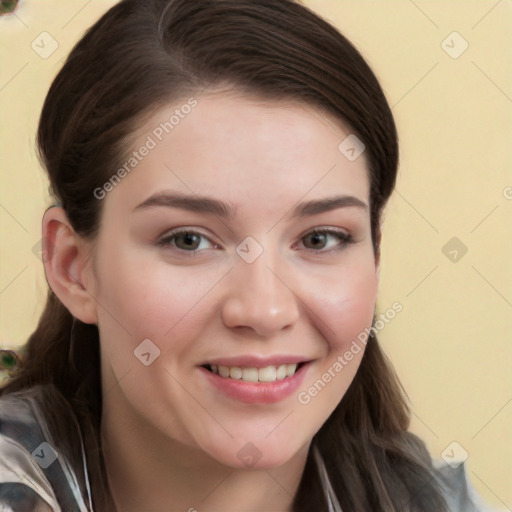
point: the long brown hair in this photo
(147, 53)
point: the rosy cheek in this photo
(344, 312)
(161, 303)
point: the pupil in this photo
(317, 239)
(190, 240)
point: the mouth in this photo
(271, 373)
(254, 381)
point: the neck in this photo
(149, 471)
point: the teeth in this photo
(282, 372)
(223, 371)
(235, 372)
(250, 374)
(267, 374)
(290, 369)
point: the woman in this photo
(220, 169)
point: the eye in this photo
(186, 240)
(323, 239)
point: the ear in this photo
(66, 258)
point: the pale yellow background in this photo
(451, 344)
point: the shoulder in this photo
(22, 479)
(34, 472)
(457, 489)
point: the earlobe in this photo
(66, 265)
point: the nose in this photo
(259, 298)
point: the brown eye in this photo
(315, 240)
(321, 239)
(186, 241)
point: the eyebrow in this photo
(193, 203)
(204, 204)
(330, 203)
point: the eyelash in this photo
(344, 238)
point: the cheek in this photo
(343, 309)
(345, 305)
(141, 300)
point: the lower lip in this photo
(257, 392)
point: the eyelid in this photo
(330, 230)
(344, 236)
(163, 240)
(326, 229)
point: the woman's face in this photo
(207, 255)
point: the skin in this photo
(170, 439)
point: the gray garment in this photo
(458, 491)
(36, 477)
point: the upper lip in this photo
(249, 361)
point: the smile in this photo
(255, 383)
(270, 373)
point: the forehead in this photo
(241, 149)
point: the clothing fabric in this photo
(35, 476)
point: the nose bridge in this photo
(261, 278)
(259, 297)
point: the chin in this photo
(254, 455)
